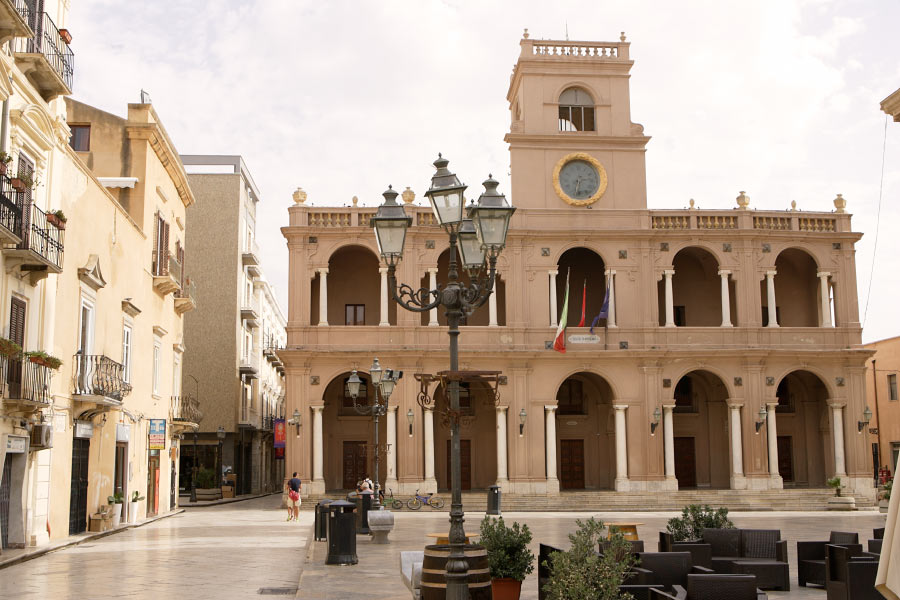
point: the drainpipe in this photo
(4, 126)
(877, 418)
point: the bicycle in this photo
(390, 501)
(416, 502)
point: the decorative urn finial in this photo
(840, 203)
(793, 206)
(525, 35)
(743, 201)
(408, 195)
(691, 202)
(299, 196)
(622, 37)
(355, 200)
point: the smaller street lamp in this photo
(390, 223)
(522, 416)
(867, 418)
(411, 417)
(763, 415)
(296, 420)
(220, 433)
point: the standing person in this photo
(294, 486)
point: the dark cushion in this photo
(843, 537)
(667, 568)
(759, 543)
(878, 533)
(723, 542)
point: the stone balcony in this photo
(14, 20)
(40, 249)
(46, 58)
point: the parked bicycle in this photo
(432, 500)
(389, 501)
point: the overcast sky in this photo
(778, 98)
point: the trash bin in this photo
(493, 500)
(320, 528)
(364, 502)
(341, 534)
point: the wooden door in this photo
(571, 464)
(685, 462)
(785, 458)
(465, 465)
(354, 464)
(17, 335)
(78, 494)
(153, 486)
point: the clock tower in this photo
(571, 140)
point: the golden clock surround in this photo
(601, 189)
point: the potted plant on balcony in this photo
(509, 558)
(136, 499)
(66, 36)
(5, 159)
(57, 218)
(9, 348)
(116, 501)
(42, 358)
(24, 180)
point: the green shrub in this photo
(695, 518)
(116, 498)
(136, 496)
(206, 478)
(581, 573)
(835, 482)
(886, 489)
(507, 548)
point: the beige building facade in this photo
(731, 356)
(239, 384)
(883, 371)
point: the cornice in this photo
(891, 105)
(565, 142)
(162, 146)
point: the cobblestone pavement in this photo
(376, 577)
(219, 553)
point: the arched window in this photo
(576, 110)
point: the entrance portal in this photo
(354, 464)
(685, 462)
(701, 432)
(571, 464)
(585, 426)
(78, 494)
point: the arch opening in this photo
(354, 289)
(696, 291)
(576, 110)
(796, 291)
(700, 430)
(477, 436)
(804, 424)
(587, 279)
(481, 316)
(585, 433)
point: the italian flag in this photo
(559, 344)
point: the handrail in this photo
(99, 375)
(10, 206)
(49, 42)
(27, 380)
(41, 237)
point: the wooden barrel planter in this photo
(434, 580)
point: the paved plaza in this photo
(247, 550)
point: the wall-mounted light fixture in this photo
(411, 417)
(657, 414)
(763, 415)
(522, 416)
(867, 417)
(296, 421)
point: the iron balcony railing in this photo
(99, 375)
(24, 11)
(10, 206)
(26, 380)
(186, 409)
(42, 238)
(49, 42)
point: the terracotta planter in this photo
(506, 588)
(3, 167)
(56, 221)
(65, 35)
(17, 184)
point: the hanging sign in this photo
(15, 444)
(123, 432)
(84, 429)
(280, 433)
(157, 434)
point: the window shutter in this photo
(155, 267)
(17, 321)
(164, 248)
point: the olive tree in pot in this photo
(116, 501)
(694, 519)
(509, 558)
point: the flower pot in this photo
(17, 184)
(3, 167)
(56, 221)
(117, 514)
(133, 514)
(65, 35)
(506, 588)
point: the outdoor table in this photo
(629, 530)
(444, 538)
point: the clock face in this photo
(579, 179)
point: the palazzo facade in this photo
(730, 357)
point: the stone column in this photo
(726, 300)
(550, 420)
(390, 480)
(837, 432)
(492, 306)
(738, 481)
(611, 319)
(669, 441)
(670, 302)
(323, 297)
(824, 298)
(770, 294)
(502, 472)
(621, 449)
(432, 284)
(385, 300)
(318, 449)
(772, 434)
(430, 483)
(552, 273)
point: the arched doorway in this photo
(477, 436)
(354, 289)
(796, 290)
(349, 437)
(587, 277)
(586, 433)
(805, 445)
(481, 316)
(700, 429)
(696, 290)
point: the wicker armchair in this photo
(878, 533)
(714, 587)
(759, 552)
(701, 553)
(667, 568)
(849, 576)
(875, 547)
(811, 556)
(636, 546)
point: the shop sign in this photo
(123, 432)
(157, 434)
(280, 433)
(15, 444)
(584, 339)
(84, 429)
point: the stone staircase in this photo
(609, 501)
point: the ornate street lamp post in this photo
(479, 238)
(383, 380)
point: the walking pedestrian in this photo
(294, 485)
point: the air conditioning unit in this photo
(41, 436)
